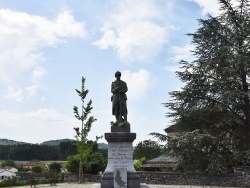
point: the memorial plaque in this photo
(120, 155)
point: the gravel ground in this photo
(75, 185)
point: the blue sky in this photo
(47, 46)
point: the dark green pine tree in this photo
(148, 149)
(216, 96)
(213, 107)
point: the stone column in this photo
(120, 168)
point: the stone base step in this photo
(98, 185)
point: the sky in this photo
(46, 47)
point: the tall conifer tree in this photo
(216, 95)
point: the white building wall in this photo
(6, 174)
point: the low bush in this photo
(138, 164)
(14, 181)
(92, 164)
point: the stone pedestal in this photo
(124, 129)
(120, 171)
(98, 185)
(120, 157)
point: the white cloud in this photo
(36, 77)
(14, 94)
(138, 83)
(139, 124)
(179, 53)
(208, 6)
(37, 74)
(211, 6)
(31, 90)
(173, 69)
(134, 33)
(36, 126)
(21, 38)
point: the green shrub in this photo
(14, 181)
(92, 164)
(55, 167)
(138, 164)
(36, 169)
(72, 163)
(9, 163)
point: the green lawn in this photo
(40, 163)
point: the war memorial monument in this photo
(120, 171)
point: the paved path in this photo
(76, 185)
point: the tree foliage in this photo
(72, 164)
(138, 163)
(27, 152)
(200, 152)
(55, 167)
(215, 99)
(84, 148)
(242, 158)
(92, 164)
(13, 182)
(66, 149)
(37, 169)
(148, 149)
(9, 163)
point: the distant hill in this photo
(46, 143)
(102, 145)
(56, 142)
(4, 141)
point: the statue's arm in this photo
(113, 90)
(125, 88)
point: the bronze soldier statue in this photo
(119, 100)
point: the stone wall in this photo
(72, 177)
(176, 179)
(194, 179)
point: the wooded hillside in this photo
(49, 150)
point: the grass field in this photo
(37, 162)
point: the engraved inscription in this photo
(120, 154)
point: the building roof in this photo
(10, 169)
(162, 159)
(157, 163)
(30, 164)
(173, 128)
(150, 167)
(6, 173)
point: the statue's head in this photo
(118, 74)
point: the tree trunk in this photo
(247, 130)
(248, 138)
(246, 108)
(80, 171)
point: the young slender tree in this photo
(84, 147)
